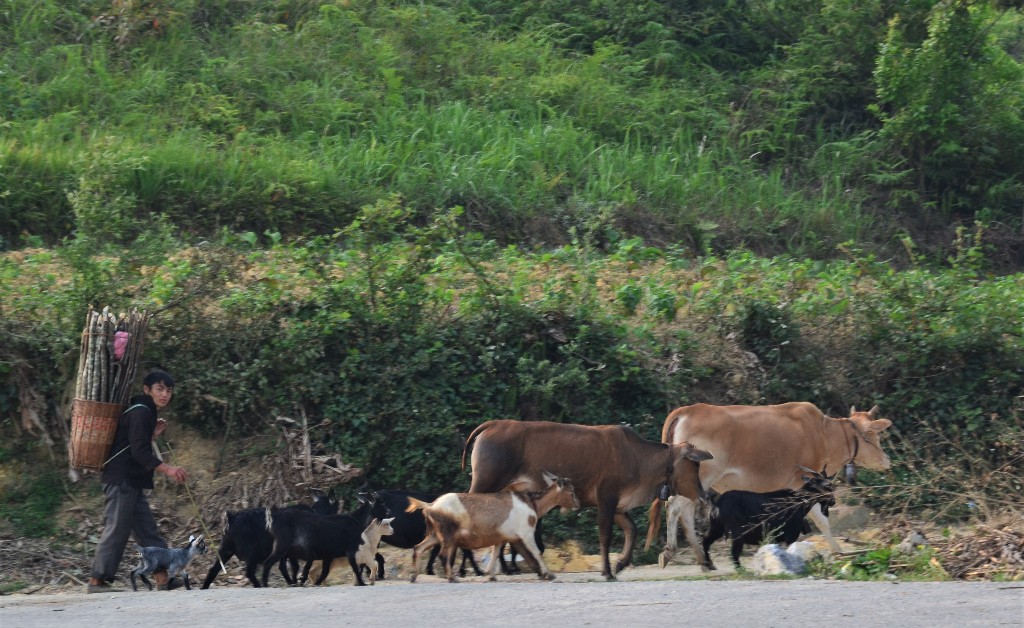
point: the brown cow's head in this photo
(869, 453)
(686, 461)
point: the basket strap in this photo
(138, 405)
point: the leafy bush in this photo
(29, 505)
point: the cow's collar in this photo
(850, 467)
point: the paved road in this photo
(762, 603)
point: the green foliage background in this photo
(405, 218)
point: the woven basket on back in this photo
(93, 424)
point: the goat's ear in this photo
(388, 520)
(191, 538)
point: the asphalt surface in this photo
(524, 601)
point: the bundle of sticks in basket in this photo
(111, 348)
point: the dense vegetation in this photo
(781, 126)
(404, 218)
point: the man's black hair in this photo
(156, 376)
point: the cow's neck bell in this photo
(663, 492)
(850, 473)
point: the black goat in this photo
(755, 518)
(311, 537)
(246, 536)
(410, 528)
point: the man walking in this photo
(126, 475)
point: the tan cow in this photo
(761, 449)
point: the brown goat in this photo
(472, 521)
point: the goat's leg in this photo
(282, 566)
(427, 543)
(224, 554)
(737, 549)
(149, 585)
(715, 531)
(355, 568)
(510, 567)
(434, 551)
(275, 557)
(250, 573)
(448, 551)
(468, 555)
(380, 566)
(532, 551)
(134, 573)
(325, 569)
(628, 527)
(184, 576)
(492, 565)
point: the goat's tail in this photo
(655, 518)
(480, 428)
(270, 520)
(415, 504)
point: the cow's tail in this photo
(652, 528)
(415, 504)
(669, 427)
(655, 515)
(479, 430)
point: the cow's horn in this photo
(814, 473)
(872, 412)
(853, 410)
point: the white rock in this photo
(771, 560)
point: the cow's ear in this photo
(879, 424)
(697, 455)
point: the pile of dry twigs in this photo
(988, 553)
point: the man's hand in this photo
(178, 474)
(161, 425)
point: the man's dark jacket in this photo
(135, 431)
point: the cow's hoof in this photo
(547, 576)
(413, 578)
(609, 577)
(492, 579)
(663, 559)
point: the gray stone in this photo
(843, 518)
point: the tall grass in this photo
(291, 126)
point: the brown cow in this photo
(761, 449)
(611, 467)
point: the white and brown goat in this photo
(477, 520)
(366, 555)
